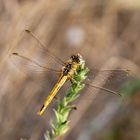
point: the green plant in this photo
(130, 88)
(59, 125)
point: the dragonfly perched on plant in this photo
(68, 70)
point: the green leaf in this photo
(130, 88)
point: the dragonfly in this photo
(66, 73)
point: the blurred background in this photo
(105, 32)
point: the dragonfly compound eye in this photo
(76, 58)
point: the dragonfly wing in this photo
(108, 76)
(37, 51)
(44, 48)
(92, 86)
(30, 66)
(106, 80)
(39, 74)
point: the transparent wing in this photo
(43, 48)
(30, 66)
(43, 76)
(108, 75)
(31, 47)
(107, 80)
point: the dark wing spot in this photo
(15, 53)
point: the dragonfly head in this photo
(76, 58)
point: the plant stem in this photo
(59, 125)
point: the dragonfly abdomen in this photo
(53, 92)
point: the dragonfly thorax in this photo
(72, 65)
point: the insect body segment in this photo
(53, 92)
